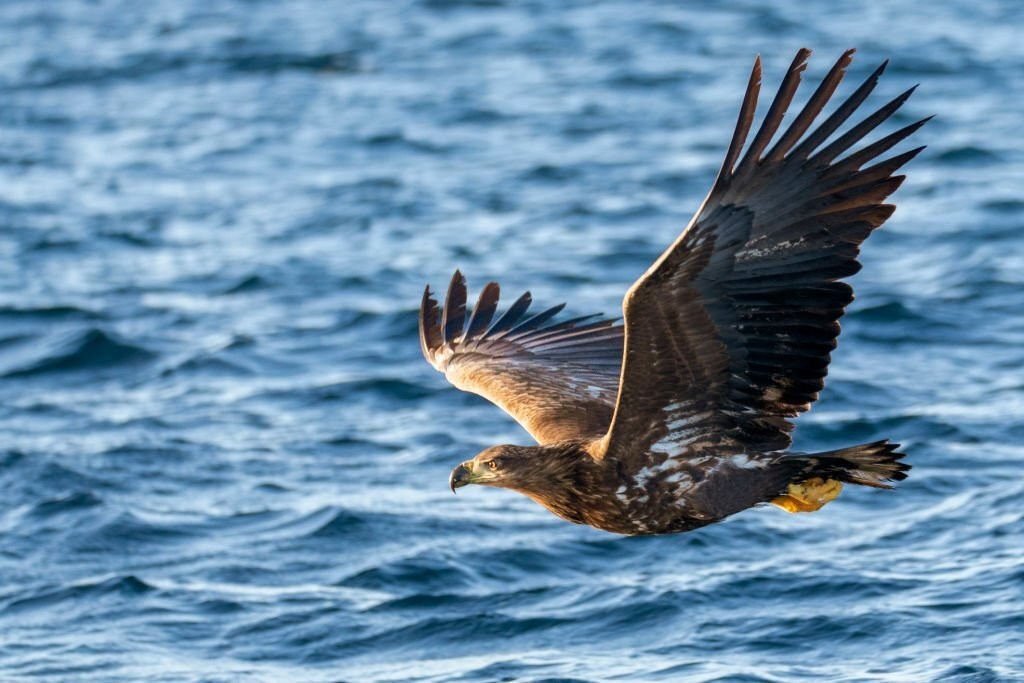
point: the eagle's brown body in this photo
(575, 486)
(674, 495)
(680, 417)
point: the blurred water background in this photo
(224, 459)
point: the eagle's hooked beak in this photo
(460, 476)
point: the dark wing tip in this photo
(454, 315)
(534, 322)
(430, 331)
(510, 317)
(826, 88)
(841, 114)
(483, 311)
(776, 111)
(743, 123)
(458, 281)
(845, 141)
(856, 160)
(898, 101)
(799, 63)
(877, 73)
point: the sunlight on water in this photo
(225, 458)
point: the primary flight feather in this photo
(680, 417)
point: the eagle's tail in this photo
(875, 464)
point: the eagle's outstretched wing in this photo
(729, 333)
(558, 381)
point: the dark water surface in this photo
(224, 459)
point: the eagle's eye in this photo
(493, 464)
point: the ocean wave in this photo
(53, 73)
(225, 458)
(81, 595)
(85, 350)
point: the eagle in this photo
(679, 415)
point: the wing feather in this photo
(813, 107)
(512, 316)
(430, 321)
(454, 315)
(777, 109)
(857, 133)
(532, 323)
(839, 117)
(483, 312)
(743, 123)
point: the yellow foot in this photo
(809, 496)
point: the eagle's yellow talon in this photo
(809, 496)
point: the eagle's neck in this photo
(564, 474)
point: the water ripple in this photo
(225, 459)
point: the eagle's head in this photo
(527, 469)
(504, 466)
(552, 475)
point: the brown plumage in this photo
(681, 417)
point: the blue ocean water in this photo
(224, 458)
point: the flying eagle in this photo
(679, 417)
